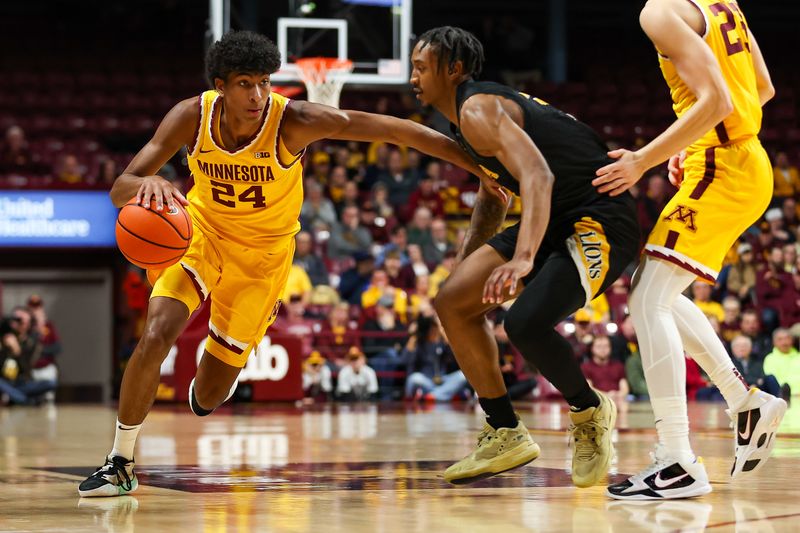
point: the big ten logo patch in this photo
(683, 214)
(268, 362)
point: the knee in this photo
(518, 326)
(524, 325)
(207, 398)
(154, 345)
(450, 303)
(157, 339)
(636, 300)
(442, 302)
(210, 395)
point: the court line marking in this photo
(737, 522)
(716, 433)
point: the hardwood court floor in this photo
(363, 468)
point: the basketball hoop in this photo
(324, 78)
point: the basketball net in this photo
(324, 78)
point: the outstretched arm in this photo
(176, 130)
(699, 69)
(492, 132)
(308, 122)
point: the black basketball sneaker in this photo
(114, 478)
(755, 425)
(665, 479)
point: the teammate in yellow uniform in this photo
(718, 81)
(244, 144)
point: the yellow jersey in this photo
(727, 36)
(252, 196)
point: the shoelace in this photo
(657, 464)
(585, 439)
(111, 468)
(486, 434)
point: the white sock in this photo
(125, 440)
(657, 286)
(672, 425)
(707, 349)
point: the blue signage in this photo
(56, 219)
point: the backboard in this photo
(374, 34)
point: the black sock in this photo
(499, 412)
(196, 409)
(585, 399)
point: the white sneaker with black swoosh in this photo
(665, 479)
(755, 425)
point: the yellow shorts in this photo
(725, 190)
(245, 286)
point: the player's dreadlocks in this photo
(241, 51)
(455, 44)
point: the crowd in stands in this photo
(29, 348)
(381, 226)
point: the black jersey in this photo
(572, 149)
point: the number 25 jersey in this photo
(727, 36)
(252, 196)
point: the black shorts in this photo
(602, 239)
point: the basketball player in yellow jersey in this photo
(244, 149)
(718, 81)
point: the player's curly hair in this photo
(455, 44)
(241, 51)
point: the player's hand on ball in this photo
(504, 279)
(675, 168)
(158, 189)
(620, 175)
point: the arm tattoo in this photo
(487, 217)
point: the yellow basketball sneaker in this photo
(499, 450)
(591, 446)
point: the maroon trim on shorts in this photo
(708, 176)
(722, 133)
(195, 283)
(222, 342)
(672, 239)
(686, 266)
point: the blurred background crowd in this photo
(381, 224)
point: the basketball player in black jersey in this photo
(569, 246)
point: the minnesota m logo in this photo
(683, 214)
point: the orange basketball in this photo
(153, 239)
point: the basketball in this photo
(153, 239)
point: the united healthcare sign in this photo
(56, 219)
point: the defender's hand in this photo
(494, 188)
(164, 192)
(619, 176)
(505, 276)
(675, 167)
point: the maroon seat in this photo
(74, 124)
(91, 80)
(103, 125)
